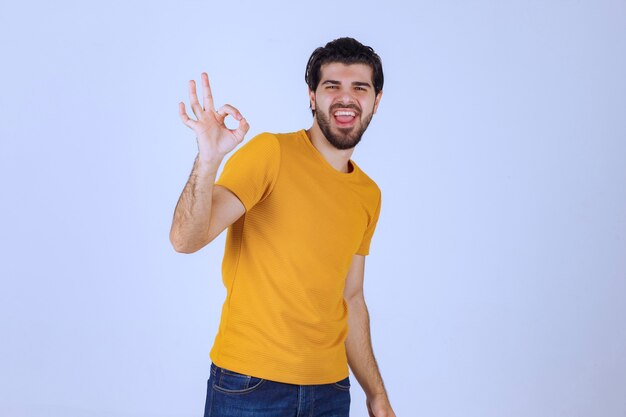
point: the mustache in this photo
(345, 106)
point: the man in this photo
(300, 216)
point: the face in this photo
(344, 102)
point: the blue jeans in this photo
(231, 394)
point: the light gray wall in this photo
(496, 281)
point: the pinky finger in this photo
(184, 117)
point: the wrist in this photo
(378, 396)
(208, 164)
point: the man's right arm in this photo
(204, 209)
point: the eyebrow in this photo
(356, 83)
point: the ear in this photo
(312, 99)
(378, 97)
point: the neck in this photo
(337, 158)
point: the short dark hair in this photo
(346, 51)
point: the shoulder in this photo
(263, 145)
(286, 138)
(275, 143)
(265, 139)
(368, 182)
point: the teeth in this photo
(345, 113)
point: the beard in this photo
(342, 138)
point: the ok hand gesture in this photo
(215, 140)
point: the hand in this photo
(379, 406)
(214, 139)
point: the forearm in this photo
(192, 216)
(359, 349)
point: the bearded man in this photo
(300, 216)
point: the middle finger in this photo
(207, 96)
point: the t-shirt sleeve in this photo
(364, 248)
(251, 172)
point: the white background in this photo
(496, 282)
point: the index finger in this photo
(207, 97)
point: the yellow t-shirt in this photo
(286, 260)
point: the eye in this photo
(331, 86)
(361, 88)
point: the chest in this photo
(319, 210)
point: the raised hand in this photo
(214, 139)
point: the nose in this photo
(345, 97)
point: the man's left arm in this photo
(359, 343)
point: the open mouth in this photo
(345, 117)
